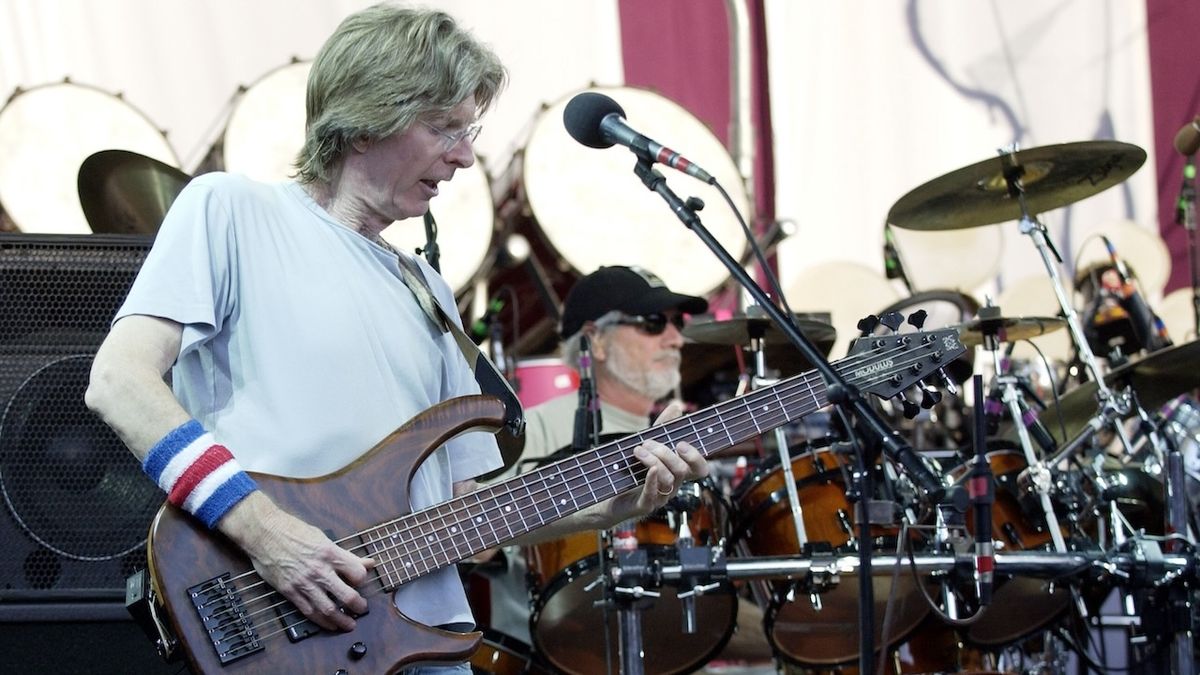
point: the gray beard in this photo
(653, 384)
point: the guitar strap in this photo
(490, 380)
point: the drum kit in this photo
(1095, 490)
(1082, 487)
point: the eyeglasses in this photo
(452, 138)
(653, 324)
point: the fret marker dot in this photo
(563, 502)
(766, 408)
(479, 519)
(508, 508)
(708, 430)
(454, 528)
(429, 539)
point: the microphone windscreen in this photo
(1187, 141)
(583, 115)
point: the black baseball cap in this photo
(631, 290)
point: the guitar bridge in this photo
(224, 616)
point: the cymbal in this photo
(1157, 378)
(123, 192)
(740, 329)
(1012, 328)
(714, 345)
(1052, 175)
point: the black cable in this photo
(758, 252)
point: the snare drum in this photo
(540, 379)
(797, 630)
(265, 133)
(46, 132)
(1021, 605)
(569, 630)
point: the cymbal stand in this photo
(1013, 397)
(1029, 225)
(760, 379)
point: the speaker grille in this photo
(77, 505)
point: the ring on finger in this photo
(664, 494)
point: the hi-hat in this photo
(1156, 378)
(712, 346)
(1052, 176)
(1012, 328)
(741, 329)
(123, 192)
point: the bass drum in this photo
(590, 209)
(569, 630)
(1020, 606)
(46, 133)
(264, 133)
(797, 631)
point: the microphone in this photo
(1140, 314)
(597, 121)
(587, 415)
(1187, 141)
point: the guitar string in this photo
(431, 515)
(637, 469)
(638, 475)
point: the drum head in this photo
(1034, 296)
(939, 259)
(265, 130)
(45, 135)
(595, 212)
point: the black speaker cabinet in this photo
(76, 505)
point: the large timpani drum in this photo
(46, 132)
(798, 630)
(592, 211)
(265, 132)
(265, 128)
(847, 290)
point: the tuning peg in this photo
(930, 397)
(917, 319)
(867, 324)
(892, 320)
(911, 409)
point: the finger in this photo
(672, 462)
(697, 464)
(347, 597)
(673, 410)
(657, 473)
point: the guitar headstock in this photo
(888, 365)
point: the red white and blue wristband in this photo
(198, 475)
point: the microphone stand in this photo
(840, 393)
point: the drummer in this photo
(632, 322)
(633, 325)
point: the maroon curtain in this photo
(681, 49)
(1173, 30)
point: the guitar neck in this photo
(444, 534)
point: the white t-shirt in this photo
(302, 347)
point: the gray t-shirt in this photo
(302, 347)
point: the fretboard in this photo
(432, 538)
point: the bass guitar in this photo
(227, 620)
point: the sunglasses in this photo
(653, 324)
